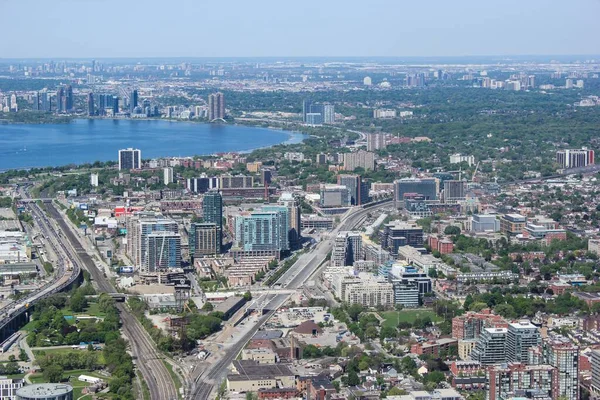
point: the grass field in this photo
(38, 353)
(393, 317)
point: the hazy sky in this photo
(255, 28)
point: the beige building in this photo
(250, 376)
(465, 347)
(261, 356)
(253, 166)
(361, 158)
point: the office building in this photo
(94, 180)
(484, 223)
(459, 158)
(516, 380)
(359, 190)
(212, 211)
(133, 100)
(130, 159)
(69, 98)
(60, 100)
(520, 337)
(295, 218)
(575, 158)
(204, 240)
(375, 141)
(167, 175)
(321, 159)
(428, 188)
(491, 346)
(115, 105)
(202, 184)
(216, 106)
(334, 196)
(409, 284)
(35, 102)
(398, 233)
(163, 251)
(45, 101)
(454, 190)
(90, 104)
(512, 224)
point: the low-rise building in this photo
(250, 376)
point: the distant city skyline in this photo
(380, 28)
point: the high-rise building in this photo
(115, 105)
(359, 190)
(133, 100)
(167, 175)
(130, 159)
(425, 187)
(317, 114)
(60, 100)
(334, 196)
(202, 184)
(596, 370)
(375, 141)
(163, 251)
(216, 106)
(359, 159)
(520, 337)
(491, 346)
(514, 380)
(294, 214)
(262, 231)
(454, 190)
(94, 180)
(560, 353)
(35, 102)
(212, 212)
(367, 81)
(90, 104)
(45, 101)
(139, 227)
(575, 158)
(328, 113)
(398, 233)
(204, 240)
(69, 98)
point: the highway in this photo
(293, 278)
(66, 272)
(147, 358)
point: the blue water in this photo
(86, 141)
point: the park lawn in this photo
(72, 375)
(37, 353)
(92, 310)
(393, 317)
(28, 326)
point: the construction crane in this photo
(475, 172)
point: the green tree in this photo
(53, 373)
(353, 379)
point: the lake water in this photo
(86, 141)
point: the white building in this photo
(94, 180)
(458, 158)
(168, 175)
